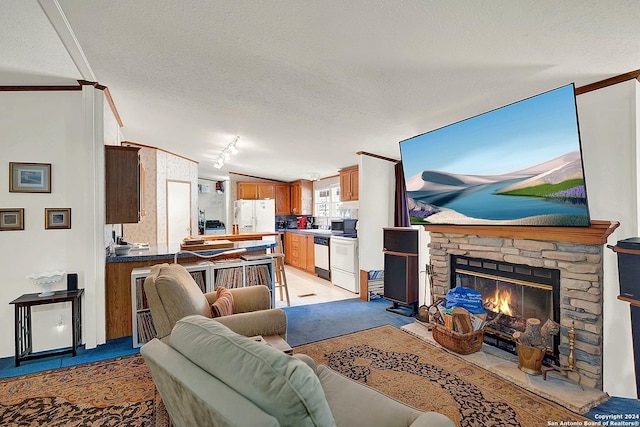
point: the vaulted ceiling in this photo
(307, 84)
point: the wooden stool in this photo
(281, 277)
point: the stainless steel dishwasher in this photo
(321, 256)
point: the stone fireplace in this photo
(574, 254)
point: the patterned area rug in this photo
(428, 378)
(116, 392)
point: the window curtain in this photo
(401, 216)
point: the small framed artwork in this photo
(57, 218)
(29, 177)
(11, 219)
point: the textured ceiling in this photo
(308, 84)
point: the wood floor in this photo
(305, 288)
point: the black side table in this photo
(23, 338)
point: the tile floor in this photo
(305, 288)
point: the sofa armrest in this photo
(432, 419)
(354, 403)
(262, 322)
(250, 298)
(308, 360)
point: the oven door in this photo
(344, 263)
(343, 254)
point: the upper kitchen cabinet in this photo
(122, 184)
(283, 199)
(349, 184)
(281, 192)
(302, 197)
(256, 190)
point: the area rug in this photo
(428, 378)
(116, 392)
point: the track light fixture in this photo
(226, 154)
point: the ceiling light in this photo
(225, 155)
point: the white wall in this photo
(376, 211)
(608, 127)
(61, 128)
(213, 204)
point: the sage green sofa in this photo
(208, 375)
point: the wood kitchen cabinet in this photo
(302, 197)
(280, 192)
(122, 184)
(311, 262)
(256, 190)
(283, 199)
(295, 255)
(349, 184)
(299, 251)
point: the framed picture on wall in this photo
(11, 219)
(57, 218)
(29, 177)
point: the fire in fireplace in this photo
(511, 293)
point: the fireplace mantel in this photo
(596, 234)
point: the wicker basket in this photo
(456, 342)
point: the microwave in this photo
(344, 226)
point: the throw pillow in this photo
(223, 306)
(281, 385)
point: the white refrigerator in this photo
(255, 216)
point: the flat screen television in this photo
(520, 164)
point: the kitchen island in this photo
(118, 276)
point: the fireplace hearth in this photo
(511, 294)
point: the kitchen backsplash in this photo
(285, 221)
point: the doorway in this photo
(178, 211)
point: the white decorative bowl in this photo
(122, 249)
(46, 280)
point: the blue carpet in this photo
(615, 410)
(316, 322)
(113, 348)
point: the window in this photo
(327, 202)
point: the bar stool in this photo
(280, 274)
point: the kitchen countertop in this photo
(314, 231)
(167, 252)
(232, 237)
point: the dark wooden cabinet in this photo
(122, 184)
(401, 265)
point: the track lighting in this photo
(226, 154)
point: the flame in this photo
(500, 301)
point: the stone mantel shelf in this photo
(596, 234)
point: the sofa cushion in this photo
(280, 385)
(223, 305)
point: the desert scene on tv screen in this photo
(517, 165)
